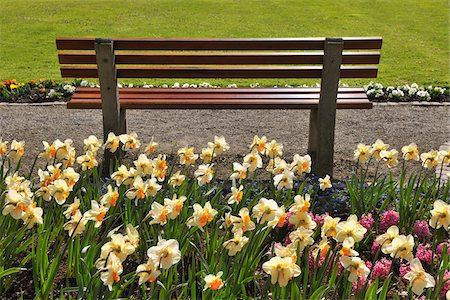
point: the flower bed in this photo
(50, 91)
(166, 228)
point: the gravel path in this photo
(428, 127)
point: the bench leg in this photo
(313, 140)
(326, 114)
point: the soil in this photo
(427, 126)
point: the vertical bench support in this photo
(113, 117)
(323, 120)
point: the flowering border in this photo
(50, 90)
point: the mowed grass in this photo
(415, 33)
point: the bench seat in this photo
(220, 98)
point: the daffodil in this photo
(329, 227)
(385, 239)
(377, 147)
(207, 155)
(301, 204)
(430, 159)
(112, 273)
(160, 167)
(325, 183)
(287, 251)
(253, 160)
(17, 150)
(235, 244)
(92, 144)
(129, 141)
(15, 204)
(148, 272)
(159, 214)
(284, 180)
(274, 149)
(87, 161)
(302, 237)
(144, 165)
(119, 245)
(301, 164)
(70, 176)
(110, 197)
(60, 191)
(187, 156)
(239, 171)
(49, 152)
(112, 142)
(401, 247)
(174, 205)
(33, 215)
(97, 213)
(132, 235)
(390, 157)
(362, 153)
(236, 195)
(177, 179)
(277, 166)
(244, 223)
(281, 270)
(150, 148)
(410, 152)
(204, 174)
(259, 144)
(3, 147)
(440, 215)
(213, 282)
(201, 215)
(302, 219)
(444, 156)
(120, 175)
(166, 253)
(418, 278)
(347, 247)
(219, 145)
(356, 267)
(266, 210)
(350, 228)
(72, 208)
(76, 224)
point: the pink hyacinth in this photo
(389, 218)
(375, 247)
(366, 221)
(358, 285)
(440, 248)
(382, 268)
(446, 285)
(424, 253)
(404, 268)
(319, 218)
(290, 225)
(421, 229)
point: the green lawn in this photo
(415, 33)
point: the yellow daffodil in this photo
(219, 146)
(120, 175)
(301, 204)
(430, 159)
(49, 152)
(92, 144)
(3, 147)
(207, 155)
(444, 156)
(112, 273)
(284, 180)
(235, 244)
(97, 213)
(174, 205)
(325, 183)
(87, 161)
(274, 149)
(253, 160)
(350, 228)
(347, 247)
(150, 148)
(239, 171)
(362, 153)
(129, 141)
(245, 222)
(76, 224)
(266, 210)
(70, 176)
(377, 147)
(301, 164)
(356, 267)
(390, 157)
(418, 278)
(410, 152)
(148, 272)
(277, 166)
(302, 219)
(159, 214)
(287, 251)
(201, 215)
(60, 191)
(329, 227)
(119, 246)
(110, 197)
(132, 235)
(302, 237)
(440, 215)
(33, 215)
(160, 167)
(17, 150)
(176, 179)
(281, 270)
(401, 247)
(144, 165)
(15, 204)
(259, 144)
(236, 195)
(385, 239)
(112, 142)
(204, 174)
(213, 282)
(166, 253)
(72, 208)
(187, 156)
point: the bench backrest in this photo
(219, 58)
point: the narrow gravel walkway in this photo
(428, 127)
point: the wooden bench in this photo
(324, 58)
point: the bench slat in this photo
(220, 58)
(350, 43)
(220, 104)
(218, 96)
(215, 72)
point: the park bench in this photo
(326, 58)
